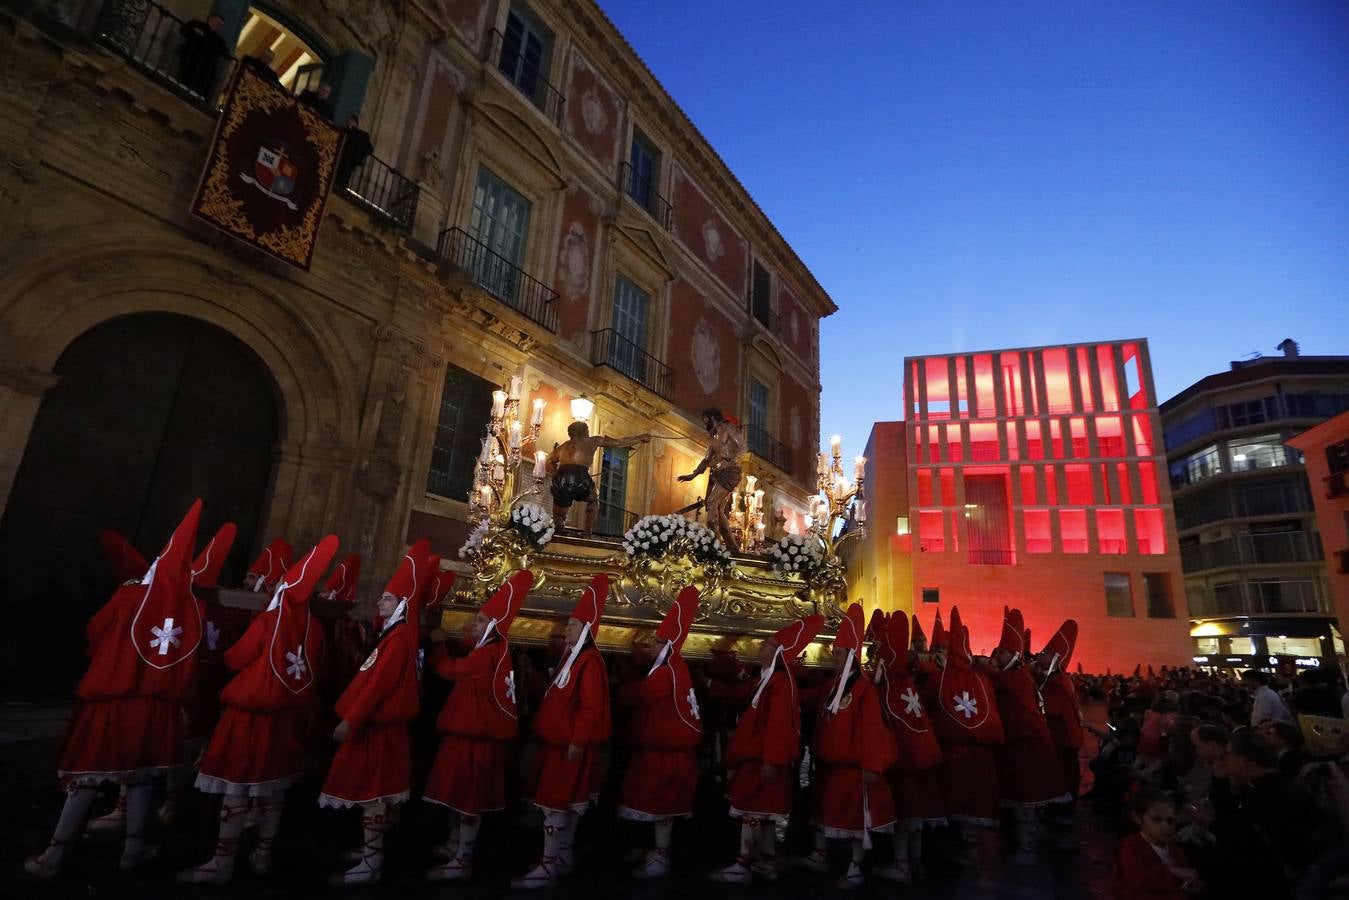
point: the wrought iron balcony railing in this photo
(510, 59)
(644, 194)
(499, 276)
(614, 521)
(766, 447)
(609, 348)
(152, 39)
(384, 191)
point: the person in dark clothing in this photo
(319, 100)
(1288, 742)
(262, 65)
(201, 52)
(356, 149)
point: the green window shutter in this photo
(349, 74)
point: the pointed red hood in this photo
(679, 618)
(938, 633)
(166, 628)
(271, 564)
(1013, 634)
(341, 584)
(206, 567)
(412, 572)
(958, 644)
(124, 560)
(503, 606)
(288, 649)
(589, 607)
(794, 638)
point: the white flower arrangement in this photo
(475, 539)
(802, 554)
(534, 523)
(653, 535)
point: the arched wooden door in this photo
(150, 412)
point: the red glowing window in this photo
(1109, 436)
(984, 406)
(1056, 438)
(1035, 447)
(1104, 477)
(1105, 367)
(1073, 530)
(1125, 489)
(984, 442)
(1058, 389)
(925, 487)
(1051, 486)
(962, 389)
(1079, 485)
(1077, 427)
(1133, 377)
(1110, 531)
(1028, 493)
(930, 538)
(938, 388)
(948, 487)
(955, 450)
(913, 387)
(1013, 449)
(1011, 384)
(1038, 537)
(1143, 435)
(1147, 482)
(920, 451)
(1084, 377)
(1151, 528)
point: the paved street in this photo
(311, 841)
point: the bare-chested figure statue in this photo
(722, 464)
(569, 465)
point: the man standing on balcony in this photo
(356, 149)
(200, 53)
(722, 464)
(570, 468)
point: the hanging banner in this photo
(271, 164)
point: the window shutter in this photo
(349, 74)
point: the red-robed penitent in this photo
(1028, 771)
(1061, 707)
(913, 778)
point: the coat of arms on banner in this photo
(271, 164)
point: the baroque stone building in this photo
(536, 205)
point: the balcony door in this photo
(525, 49)
(758, 417)
(627, 349)
(613, 491)
(500, 225)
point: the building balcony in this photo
(1258, 597)
(609, 348)
(644, 194)
(499, 277)
(528, 79)
(384, 192)
(766, 447)
(1252, 550)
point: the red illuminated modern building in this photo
(1033, 478)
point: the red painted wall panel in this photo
(576, 261)
(703, 351)
(701, 228)
(592, 114)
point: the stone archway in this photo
(149, 412)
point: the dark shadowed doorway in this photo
(150, 412)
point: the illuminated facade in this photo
(1034, 478)
(1326, 449)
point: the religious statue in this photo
(722, 464)
(569, 466)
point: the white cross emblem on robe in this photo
(912, 705)
(295, 659)
(212, 636)
(510, 686)
(166, 636)
(693, 704)
(966, 704)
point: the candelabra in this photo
(747, 515)
(494, 482)
(838, 499)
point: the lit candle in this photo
(517, 435)
(498, 404)
(758, 500)
(539, 404)
(859, 468)
(750, 482)
(840, 486)
(822, 464)
(860, 512)
(810, 521)
(486, 456)
(517, 383)
(499, 469)
(540, 464)
(836, 446)
(486, 496)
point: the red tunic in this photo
(129, 717)
(374, 764)
(847, 743)
(479, 725)
(223, 627)
(1028, 770)
(1140, 873)
(665, 729)
(965, 717)
(767, 734)
(1065, 727)
(259, 745)
(913, 778)
(577, 713)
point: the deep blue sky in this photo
(964, 176)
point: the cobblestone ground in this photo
(311, 842)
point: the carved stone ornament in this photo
(379, 477)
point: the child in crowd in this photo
(1149, 864)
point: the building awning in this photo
(1265, 627)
